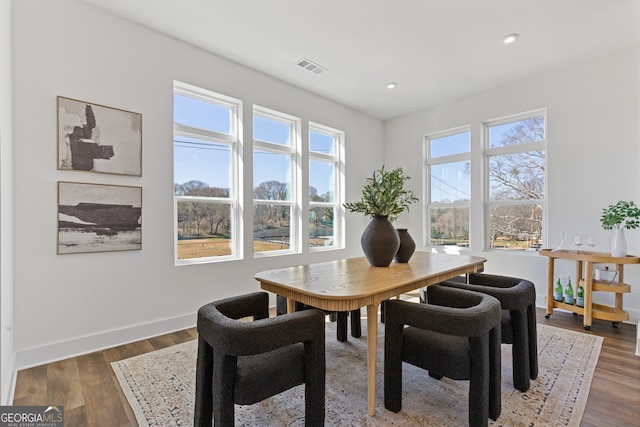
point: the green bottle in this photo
(557, 291)
(580, 296)
(568, 293)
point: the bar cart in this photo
(584, 276)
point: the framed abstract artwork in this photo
(96, 138)
(98, 218)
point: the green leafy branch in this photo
(384, 195)
(621, 215)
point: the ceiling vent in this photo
(309, 65)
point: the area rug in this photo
(160, 387)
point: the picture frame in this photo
(98, 218)
(97, 138)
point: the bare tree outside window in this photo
(276, 188)
(204, 226)
(517, 164)
(271, 222)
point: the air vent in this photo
(309, 65)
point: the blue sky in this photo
(450, 182)
(208, 161)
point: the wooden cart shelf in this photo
(604, 312)
(584, 275)
(593, 257)
(618, 288)
(598, 311)
(569, 307)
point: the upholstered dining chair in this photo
(455, 334)
(518, 300)
(341, 318)
(244, 362)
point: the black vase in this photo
(380, 241)
(407, 246)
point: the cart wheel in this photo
(615, 324)
(587, 328)
(546, 316)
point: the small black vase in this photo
(407, 246)
(380, 241)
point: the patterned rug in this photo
(160, 388)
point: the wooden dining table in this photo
(349, 284)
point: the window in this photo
(326, 170)
(276, 195)
(206, 147)
(516, 165)
(448, 184)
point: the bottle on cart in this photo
(580, 296)
(568, 293)
(557, 291)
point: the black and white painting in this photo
(96, 138)
(98, 218)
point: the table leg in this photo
(579, 272)
(550, 279)
(291, 305)
(620, 270)
(372, 355)
(588, 295)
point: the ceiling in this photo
(435, 50)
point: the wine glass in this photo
(589, 242)
(578, 242)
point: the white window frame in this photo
(501, 151)
(429, 163)
(234, 141)
(339, 185)
(295, 201)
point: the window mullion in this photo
(190, 131)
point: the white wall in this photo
(593, 150)
(6, 216)
(69, 304)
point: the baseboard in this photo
(8, 388)
(71, 348)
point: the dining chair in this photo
(244, 362)
(456, 334)
(518, 301)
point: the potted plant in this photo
(384, 198)
(618, 217)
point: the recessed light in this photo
(391, 85)
(510, 38)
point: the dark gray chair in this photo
(518, 300)
(243, 362)
(457, 335)
(341, 318)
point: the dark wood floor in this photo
(88, 389)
